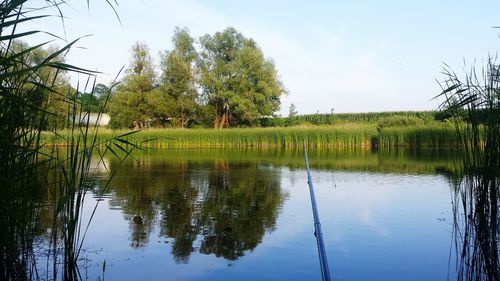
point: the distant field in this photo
(367, 117)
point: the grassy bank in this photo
(342, 135)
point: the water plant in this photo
(25, 88)
(474, 103)
(342, 135)
(23, 115)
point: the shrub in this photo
(399, 121)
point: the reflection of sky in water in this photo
(379, 226)
(376, 227)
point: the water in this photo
(246, 215)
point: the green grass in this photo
(418, 136)
(342, 135)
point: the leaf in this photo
(449, 89)
(26, 51)
(125, 142)
(69, 67)
(17, 21)
(112, 151)
(18, 35)
(120, 147)
(129, 133)
(60, 51)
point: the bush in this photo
(399, 121)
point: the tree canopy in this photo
(178, 78)
(238, 82)
(223, 79)
(129, 104)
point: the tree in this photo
(129, 110)
(140, 76)
(178, 78)
(292, 116)
(128, 106)
(56, 94)
(237, 81)
(90, 102)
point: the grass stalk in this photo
(474, 103)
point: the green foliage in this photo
(96, 100)
(129, 106)
(399, 121)
(425, 117)
(351, 135)
(90, 103)
(23, 114)
(178, 92)
(129, 110)
(473, 103)
(292, 116)
(35, 95)
(140, 76)
(417, 137)
(55, 91)
(239, 84)
(237, 81)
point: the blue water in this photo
(376, 225)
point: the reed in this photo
(23, 114)
(474, 103)
(71, 174)
(342, 135)
(418, 137)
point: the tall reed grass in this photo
(346, 135)
(72, 176)
(23, 115)
(476, 98)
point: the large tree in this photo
(178, 83)
(238, 82)
(129, 105)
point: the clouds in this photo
(350, 57)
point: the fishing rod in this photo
(323, 262)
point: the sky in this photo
(332, 56)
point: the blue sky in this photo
(349, 56)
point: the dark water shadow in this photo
(476, 227)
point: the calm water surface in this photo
(246, 215)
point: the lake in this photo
(214, 214)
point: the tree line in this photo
(221, 80)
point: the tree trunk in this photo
(183, 118)
(224, 120)
(216, 121)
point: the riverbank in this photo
(434, 135)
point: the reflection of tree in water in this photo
(242, 202)
(179, 210)
(136, 197)
(226, 206)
